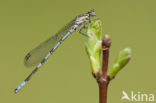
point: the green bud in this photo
(93, 45)
(122, 59)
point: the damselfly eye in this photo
(91, 13)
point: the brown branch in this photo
(105, 48)
(103, 79)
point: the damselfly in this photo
(41, 53)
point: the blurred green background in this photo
(66, 76)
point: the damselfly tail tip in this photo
(20, 86)
(16, 90)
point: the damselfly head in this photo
(91, 13)
(85, 17)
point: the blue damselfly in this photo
(41, 53)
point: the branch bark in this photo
(103, 79)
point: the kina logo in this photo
(137, 97)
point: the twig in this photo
(103, 79)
